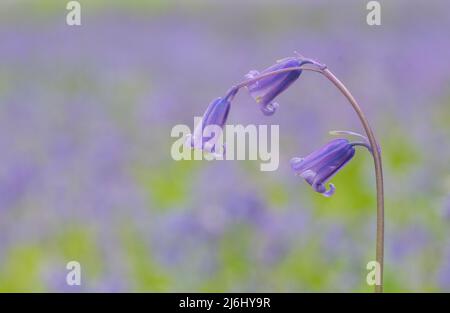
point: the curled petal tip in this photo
(269, 109)
(328, 193)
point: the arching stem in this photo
(378, 172)
(374, 149)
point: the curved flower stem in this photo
(378, 171)
(373, 145)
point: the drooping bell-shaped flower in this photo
(318, 167)
(206, 132)
(265, 90)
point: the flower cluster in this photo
(316, 168)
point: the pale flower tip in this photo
(252, 74)
(295, 161)
(334, 132)
(269, 108)
(330, 191)
(347, 133)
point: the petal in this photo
(269, 108)
(193, 142)
(334, 165)
(309, 176)
(320, 188)
(318, 167)
(212, 148)
(266, 89)
(278, 87)
(330, 191)
(252, 74)
(265, 84)
(319, 157)
(296, 163)
(218, 153)
(217, 113)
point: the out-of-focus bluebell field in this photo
(86, 173)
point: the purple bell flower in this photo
(265, 90)
(318, 167)
(215, 117)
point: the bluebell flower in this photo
(265, 90)
(214, 118)
(318, 167)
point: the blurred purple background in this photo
(86, 172)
